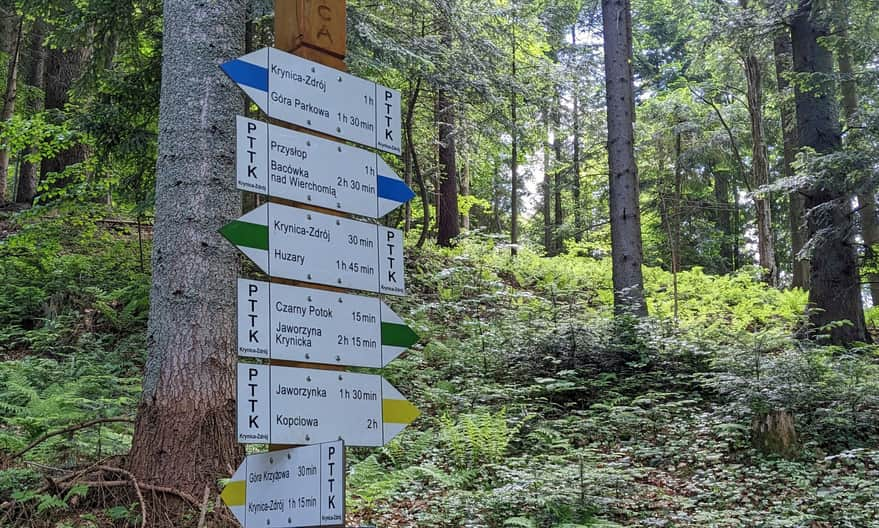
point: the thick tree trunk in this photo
(625, 212)
(63, 68)
(760, 170)
(448, 227)
(575, 175)
(26, 188)
(797, 210)
(834, 294)
(185, 429)
(9, 102)
(867, 196)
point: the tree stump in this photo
(773, 432)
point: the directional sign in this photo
(281, 162)
(314, 326)
(287, 405)
(320, 98)
(314, 247)
(290, 488)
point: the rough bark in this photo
(834, 293)
(867, 196)
(185, 428)
(760, 169)
(447, 226)
(26, 188)
(797, 208)
(9, 101)
(625, 214)
(63, 68)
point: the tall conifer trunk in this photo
(9, 102)
(834, 292)
(185, 428)
(625, 212)
(448, 226)
(26, 188)
(797, 209)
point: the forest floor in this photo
(539, 409)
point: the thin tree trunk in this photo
(625, 213)
(834, 294)
(416, 167)
(797, 210)
(9, 104)
(514, 162)
(760, 170)
(185, 428)
(27, 179)
(724, 220)
(558, 171)
(867, 196)
(575, 175)
(546, 188)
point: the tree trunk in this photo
(625, 215)
(185, 428)
(63, 68)
(465, 191)
(835, 284)
(546, 188)
(760, 170)
(448, 227)
(724, 220)
(9, 103)
(797, 211)
(558, 171)
(408, 123)
(27, 178)
(575, 174)
(867, 196)
(514, 161)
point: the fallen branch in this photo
(76, 427)
(133, 479)
(150, 487)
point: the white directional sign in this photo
(276, 321)
(280, 162)
(286, 405)
(303, 245)
(290, 488)
(320, 98)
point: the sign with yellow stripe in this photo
(290, 488)
(288, 405)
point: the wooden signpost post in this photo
(313, 254)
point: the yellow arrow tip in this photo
(399, 411)
(234, 493)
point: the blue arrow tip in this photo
(394, 189)
(247, 74)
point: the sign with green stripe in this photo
(276, 321)
(308, 246)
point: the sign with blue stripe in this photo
(308, 169)
(319, 98)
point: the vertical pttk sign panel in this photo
(290, 488)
